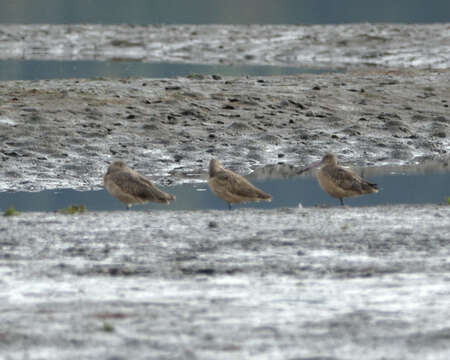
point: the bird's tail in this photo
(170, 197)
(372, 187)
(264, 196)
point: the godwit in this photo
(130, 187)
(232, 187)
(340, 182)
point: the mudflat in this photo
(64, 133)
(337, 283)
(312, 283)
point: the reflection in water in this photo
(51, 69)
(394, 189)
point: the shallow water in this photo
(219, 12)
(50, 69)
(394, 189)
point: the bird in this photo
(340, 182)
(231, 187)
(131, 187)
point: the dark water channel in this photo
(223, 12)
(394, 189)
(52, 69)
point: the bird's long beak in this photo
(311, 166)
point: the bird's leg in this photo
(342, 201)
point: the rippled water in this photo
(394, 189)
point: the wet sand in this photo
(64, 133)
(336, 283)
(336, 46)
(389, 108)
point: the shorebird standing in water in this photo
(340, 182)
(231, 187)
(130, 187)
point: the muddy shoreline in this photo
(320, 46)
(338, 283)
(387, 109)
(63, 133)
(315, 283)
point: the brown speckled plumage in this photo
(340, 182)
(130, 187)
(232, 187)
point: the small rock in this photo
(239, 126)
(270, 139)
(196, 76)
(191, 112)
(439, 133)
(387, 116)
(297, 104)
(418, 117)
(206, 271)
(213, 225)
(439, 129)
(151, 127)
(177, 157)
(401, 154)
(354, 130)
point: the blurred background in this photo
(223, 12)
(144, 12)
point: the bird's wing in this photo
(238, 185)
(139, 186)
(347, 179)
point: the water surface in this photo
(52, 69)
(394, 189)
(223, 12)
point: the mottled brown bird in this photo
(130, 187)
(340, 182)
(232, 187)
